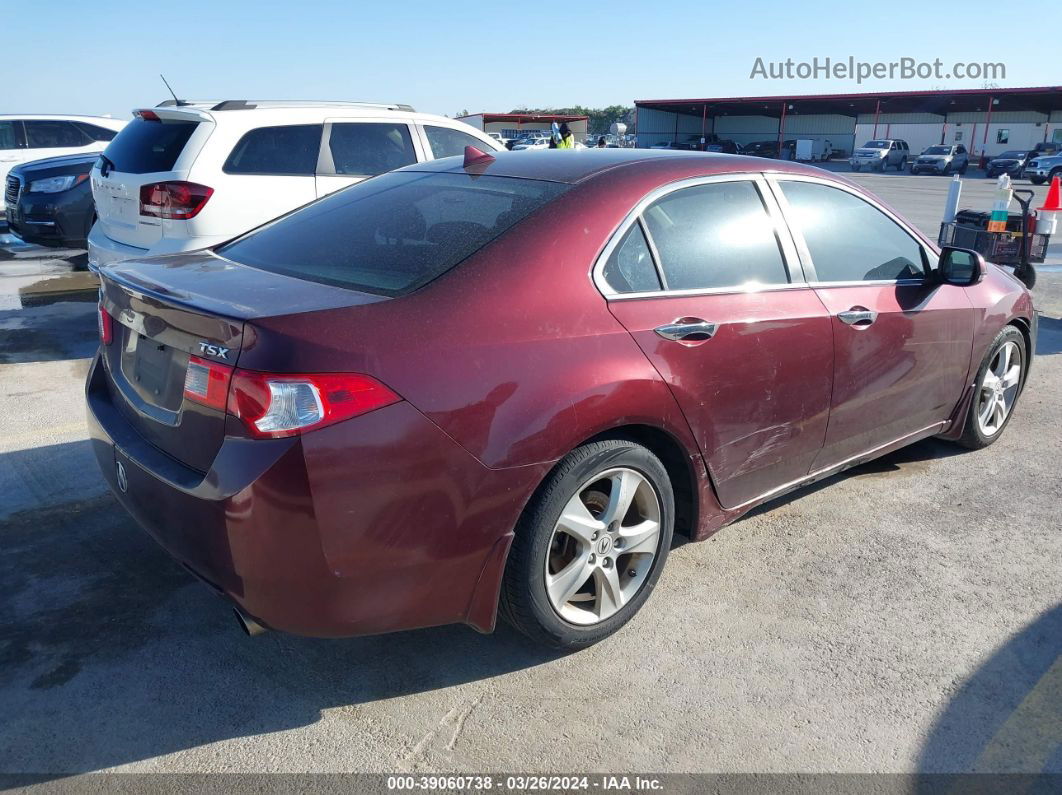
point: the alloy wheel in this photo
(603, 546)
(999, 389)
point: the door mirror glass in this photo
(961, 266)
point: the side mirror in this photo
(962, 267)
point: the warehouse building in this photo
(516, 125)
(986, 121)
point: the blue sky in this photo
(444, 57)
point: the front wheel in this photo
(996, 389)
(590, 545)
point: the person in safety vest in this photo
(566, 139)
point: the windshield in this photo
(938, 150)
(876, 145)
(394, 233)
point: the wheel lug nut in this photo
(606, 563)
(593, 557)
(632, 572)
(593, 537)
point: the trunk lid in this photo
(146, 151)
(168, 309)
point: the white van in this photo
(185, 176)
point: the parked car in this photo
(179, 178)
(1048, 148)
(351, 420)
(943, 159)
(49, 202)
(25, 138)
(1044, 167)
(879, 154)
(1010, 162)
(531, 143)
(762, 148)
(724, 145)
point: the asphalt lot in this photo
(904, 616)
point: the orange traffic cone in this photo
(1053, 202)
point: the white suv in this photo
(27, 137)
(190, 175)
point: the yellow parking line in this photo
(1031, 734)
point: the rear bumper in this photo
(377, 524)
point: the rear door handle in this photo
(687, 329)
(858, 316)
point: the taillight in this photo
(272, 406)
(175, 200)
(106, 324)
(207, 382)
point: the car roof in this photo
(61, 117)
(572, 166)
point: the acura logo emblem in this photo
(123, 480)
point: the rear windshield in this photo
(394, 233)
(143, 147)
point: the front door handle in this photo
(858, 316)
(687, 329)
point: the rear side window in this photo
(715, 236)
(392, 234)
(367, 149)
(446, 142)
(288, 150)
(144, 147)
(94, 132)
(630, 267)
(54, 134)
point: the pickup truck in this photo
(1044, 167)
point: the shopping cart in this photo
(1016, 246)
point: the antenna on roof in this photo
(179, 103)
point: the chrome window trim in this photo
(790, 258)
(775, 180)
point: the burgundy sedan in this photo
(501, 384)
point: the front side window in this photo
(713, 236)
(290, 150)
(630, 267)
(370, 148)
(8, 135)
(53, 135)
(446, 142)
(95, 132)
(394, 233)
(849, 239)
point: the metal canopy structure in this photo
(1042, 99)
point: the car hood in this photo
(57, 166)
(878, 152)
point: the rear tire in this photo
(1037, 180)
(581, 563)
(996, 389)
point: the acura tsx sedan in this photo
(500, 384)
